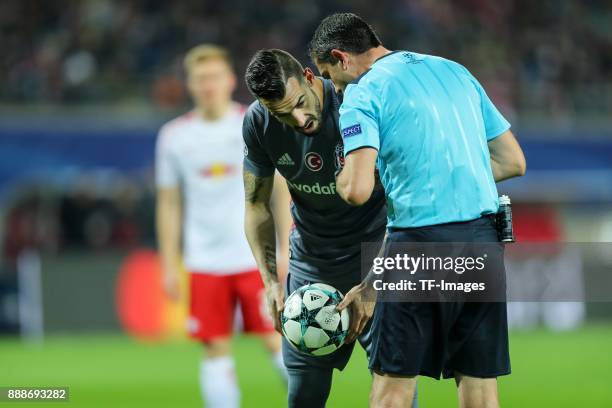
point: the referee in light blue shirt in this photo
(440, 146)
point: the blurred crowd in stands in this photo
(549, 57)
(89, 215)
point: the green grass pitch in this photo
(558, 370)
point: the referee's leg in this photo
(366, 342)
(477, 392)
(392, 392)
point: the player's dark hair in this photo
(343, 31)
(268, 72)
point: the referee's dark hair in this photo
(268, 72)
(343, 31)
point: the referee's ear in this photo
(341, 56)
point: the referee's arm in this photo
(355, 182)
(507, 158)
(359, 115)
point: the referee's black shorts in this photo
(441, 338)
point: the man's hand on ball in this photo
(275, 297)
(360, 308)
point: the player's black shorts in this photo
(441, 338)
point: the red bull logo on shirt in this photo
(218, 170)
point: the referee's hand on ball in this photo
(360, 308)
(275, 299)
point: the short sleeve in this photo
(166, 165)
(359, 115)
(256, 160)
(494, 121)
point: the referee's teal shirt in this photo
(430, 121)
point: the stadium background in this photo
(84, 86)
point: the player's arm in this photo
(507, 158)
(168, 219)
(169, 212)
(259, 220)
(283, 221)
(261, 234)
(259, 224)
(355, 182)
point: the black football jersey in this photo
(326, 227)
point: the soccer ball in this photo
(310, 321)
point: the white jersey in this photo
(205, 160)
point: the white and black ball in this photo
(310, 321)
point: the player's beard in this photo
(318, 114)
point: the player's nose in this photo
(299, 117)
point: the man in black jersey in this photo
(292, 128)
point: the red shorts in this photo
(213, 301)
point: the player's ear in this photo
(341, 56)
(309, 75)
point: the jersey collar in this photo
(356, 80)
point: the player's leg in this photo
(210, 321)
(250, 292)
(309, 387)
(392, 392)
(218, 375)
(476, 392)
(310, 378)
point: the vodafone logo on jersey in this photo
(313, 161)
(316, 188)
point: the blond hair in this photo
(205, 52)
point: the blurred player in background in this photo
(200, 202)
(293, 128)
